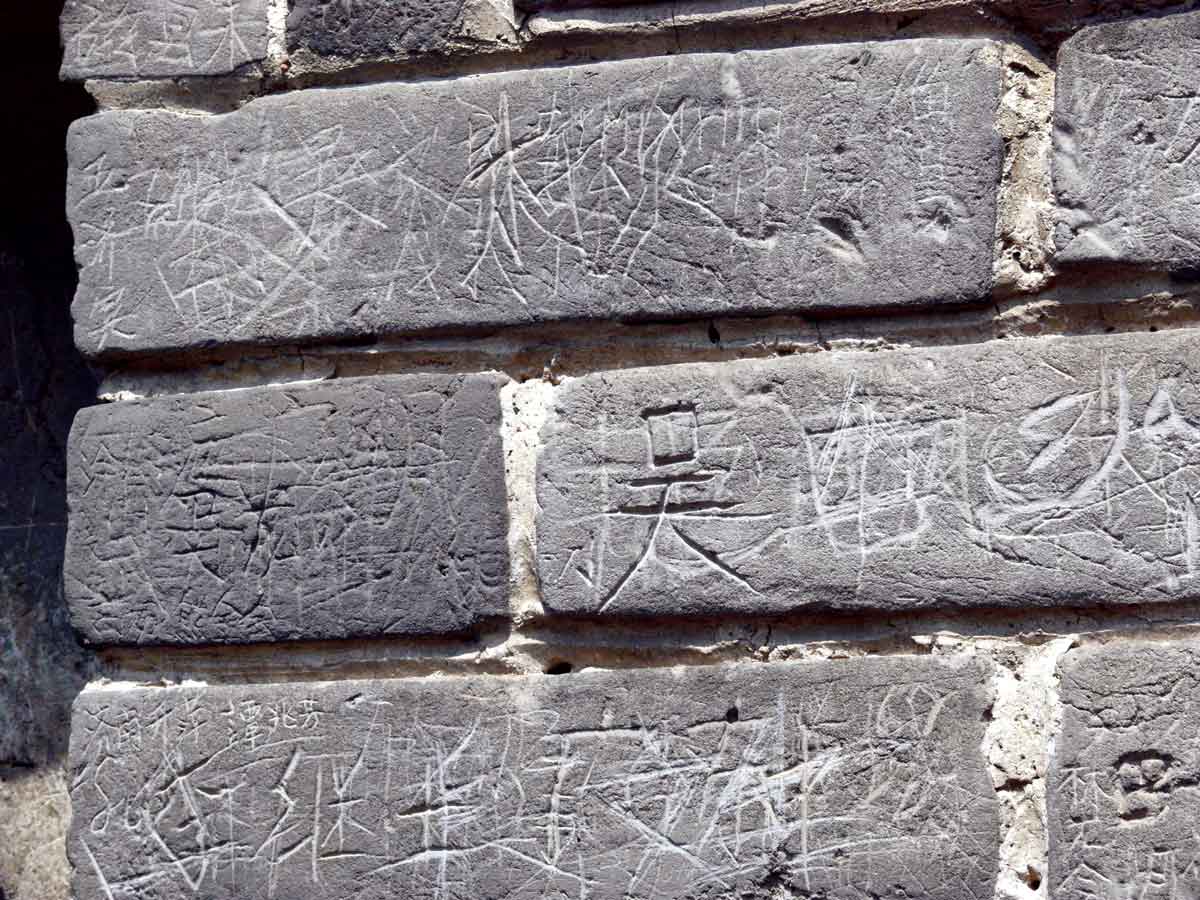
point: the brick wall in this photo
(635, 450)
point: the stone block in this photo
(855, 779)
(851, 175)
(161, 38)
(375, 29)
(1039, 472)
(353, 508)
(1122, 793)
(1126, 166)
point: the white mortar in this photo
(525, 407)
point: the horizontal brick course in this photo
(820, 177)
(1014, 473)
(857, 778)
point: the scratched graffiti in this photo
(363, 28)
(1047, 472)
(843, 780)
(1127, 143)
(1124, 785)
(696, 183)
(161, 37)
(364, 507)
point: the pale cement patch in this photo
(1025, 715)
(277, 13)
(34, 814)
(1025, 205)
(524, 407)
(489, 22)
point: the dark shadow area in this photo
(42, 384)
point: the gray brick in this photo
(157, 38)
(1028, 472)
(373, 28)
(549, 5)
(358, 507)
(847, 175)
(1126, 166)
(856, 779)
(1122, 798)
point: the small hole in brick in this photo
(1033, 878)
(732, 715)
(1110, 329)
(714, 336)
(559, 667)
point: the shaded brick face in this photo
(372, 27)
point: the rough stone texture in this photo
(848, 175)
(1126, 166)
(855, 779)
(35, 813)
(1123, 796)
(355, 508)
(161, 38)
(330, 36)
(372, 27)
(1049, 471)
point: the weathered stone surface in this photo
(1124, 783)
(848, 175)
(1038, 472)
(161, 38)
(854, 779)
(35, 813)
(372, 27)
(324, 36)
(1126, 167)
(357, 507)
